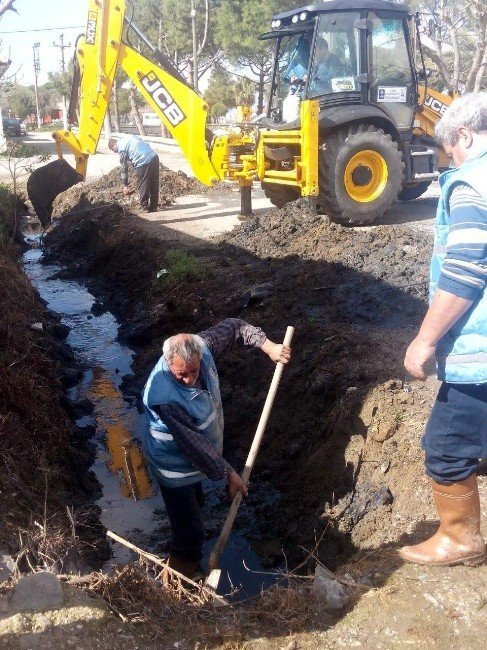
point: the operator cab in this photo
(344, 52)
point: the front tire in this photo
(361, 173)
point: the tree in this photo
(19, 100)
(239, 24)
(220, 92)
(167, 24)
(458, 47)
(7, 5)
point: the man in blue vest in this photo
(146, 164)
(455, 330)
(185, 437)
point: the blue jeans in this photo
(184, 509)
(456, 434)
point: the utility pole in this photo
(62, 47)
(37, 67)
(195, 45)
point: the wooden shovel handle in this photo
(227, 527)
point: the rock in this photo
(7, 566)
(37, 327)
(72, 563)
(385, 430)
(38, 592)
(328, 591)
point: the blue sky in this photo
(40, 15)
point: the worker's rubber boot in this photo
(458, 539)
(189, 569)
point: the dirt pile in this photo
(44, 458)
(108, 189)
(395, 254)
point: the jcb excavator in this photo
(347, 120)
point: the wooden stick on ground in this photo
(160, 562)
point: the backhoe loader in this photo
(347, 122)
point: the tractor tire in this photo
(280, 195)
(361, 173)
(411, 192)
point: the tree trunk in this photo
(480, 74)
(134, 109)
(116, 112)
(260, 91)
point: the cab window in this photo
(336, 55)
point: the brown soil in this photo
(43, 464)
(108, 188)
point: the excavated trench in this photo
(128, 500)
(340, 450)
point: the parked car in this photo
(11, 126)
(23, 126)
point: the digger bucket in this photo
(46, 183)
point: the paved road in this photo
(211, 214)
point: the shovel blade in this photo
(213, 579)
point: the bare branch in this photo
(7, 5)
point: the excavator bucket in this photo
(46, 182)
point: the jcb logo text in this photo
(163, 99)
(91, 27)
(435, 105)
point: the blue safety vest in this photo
(461, 354)
(203, 406)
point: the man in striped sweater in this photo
(455, 330)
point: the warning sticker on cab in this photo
(342, 84)
(392, 94)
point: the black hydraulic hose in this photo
(422, 62)
(75, 86)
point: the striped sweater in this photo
(464, 270)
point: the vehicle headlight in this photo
(303, 16)
(295, 19)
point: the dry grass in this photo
(140, 594)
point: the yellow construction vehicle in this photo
(347, 121)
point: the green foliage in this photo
(168, 26)
(8, 204)
(60, 82)
(181, 267)
(20, 100)
(219, 94)
(241, 22)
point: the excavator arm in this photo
(99, 54)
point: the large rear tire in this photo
(411, 192)
(361, 173)
(280, 195)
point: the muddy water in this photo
(131, 506)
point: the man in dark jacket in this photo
(185, 437)
(146, 164)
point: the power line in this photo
(45, 29)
